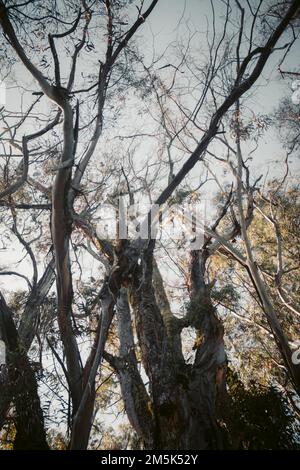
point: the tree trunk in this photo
(30, 428)
(185, 405)
(29, 422)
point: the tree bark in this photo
(29, 422)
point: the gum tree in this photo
(84, 68)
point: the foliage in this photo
(262, 417)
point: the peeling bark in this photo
(164, 372)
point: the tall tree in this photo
(70, 166)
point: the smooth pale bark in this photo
(27, 328)
(137, 401)
(177, 423)
(207, 388)
(61, 228)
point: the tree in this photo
(273, 236)
(67, 172)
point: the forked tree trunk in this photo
(184, 405)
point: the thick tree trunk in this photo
(30, 428)
(185, 405)
(207, 388)
(26, 333)
(29, 422)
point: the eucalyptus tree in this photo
(82, 58)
